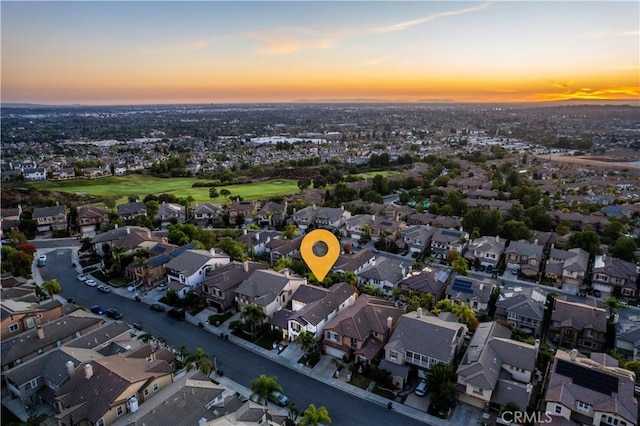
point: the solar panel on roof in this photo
(462, 286)
(588, 378)
(451, 233)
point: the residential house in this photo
(524, 257)
(130, 211)
(361, 330)
(312, 307)
(268, 289)
(592, 391)
(421, 340)
(305, 217)
(567, 268)
(272, 214)
(523, 307)
(35, 380)
(486, 251)
(52, 218)
(207, 214)
(188, 269)
(256, 242)
(578, 325)
(278, 249)
(415, 238)
(22, 310)
(388, 229)
(46, 337)
(91, 219)
(9, 218)
(245, 211)
(32, 174)
(444, 240)
(431, 279)
(612, 277)
(358, 226)
(123, 381)
(628, 339)
(219, 284)
(385, 274)
(193, 399)
(471, 291)
(331, 218)
(168, 211)
(128, 237)
(496, 370)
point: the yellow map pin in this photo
(320, 265)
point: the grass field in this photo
(142, 185)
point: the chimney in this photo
(389, 322)
(245, 264)
(573, 354)
(70, 368)
(88, 371)
(419, 313)
(40, 333)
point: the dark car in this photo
(176, 313)
(97, 310)
(157, 307)
(113, 313)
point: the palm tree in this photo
(253, 315)
(196, 359)
(307, 342)
(117, 252)
(51, 287)
(313, 416)
(264, 386)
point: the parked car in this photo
(157, 307)
(96, 309)
(177, 313)
(82, 277)
(421, 389)
(113, 313)
(91, 283)
(280, 398)
(104, 288)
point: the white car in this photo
(82, 277)
(91, 283)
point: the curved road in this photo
(237, 363)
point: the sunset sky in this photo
(209, 52)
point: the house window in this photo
(156, 387)
(119, 411)
(558, 409)
(13, 328)
(583, 406)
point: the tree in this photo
(213, 192)
(253, 316)
(51, 287)
(624, 249)
(313, 416)
(264, 386)
(307, 342)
